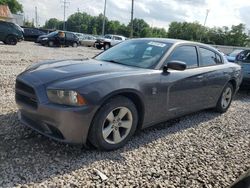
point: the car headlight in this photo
(64, 97)
(45, 39)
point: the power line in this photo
(65, 5)
(104, 18)
(132, 20)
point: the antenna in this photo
(65, 5)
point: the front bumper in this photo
(61, 124)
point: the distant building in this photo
(7, 16)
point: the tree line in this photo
(85, 23)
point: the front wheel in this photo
(114, 124)
(225, 99)
(11, 40)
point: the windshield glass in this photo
(137, 53)
(52, 34)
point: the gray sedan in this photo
(134, 85)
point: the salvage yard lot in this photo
(204, 149)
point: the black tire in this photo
(96, 137)
(11, 40)
(223, 108)
(106, 46)
(99, 47)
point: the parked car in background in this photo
(32, 34)
(60, 38)
(10, 33)
(244, 60)
(88, 40)
(232, 56)
(134, 85)
(108, 41)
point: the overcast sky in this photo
(157, 13)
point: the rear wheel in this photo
(114, 124)
(225, 99)
(106, 46)
(11, 40)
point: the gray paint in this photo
(164, 95)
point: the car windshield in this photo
(52, 34)
(235, 53)
(137, 53)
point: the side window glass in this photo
(208, 57)
(186, 54)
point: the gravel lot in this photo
(205, 149)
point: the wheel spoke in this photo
(126, 124)
(107, 131)
(122, 113)
(117, 136)
(110, 117)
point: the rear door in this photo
(216, 76)
(184, 90)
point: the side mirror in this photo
(175, 65)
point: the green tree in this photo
(14, 5)
(53, 23)
(27, 23)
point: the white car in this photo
(108, 41)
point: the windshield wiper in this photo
(112, 61)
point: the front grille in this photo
(25, 94)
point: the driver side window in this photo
(186, 54)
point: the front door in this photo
(185, 89)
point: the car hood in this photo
(63, 70)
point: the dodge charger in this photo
(102, 101)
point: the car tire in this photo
(50, 43)
(225, 99)
(106, 46)
(75, 45)
(111, 129)
(99, 47)
(11, 40)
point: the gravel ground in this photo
(205, 149)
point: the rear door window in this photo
(208, 57)
(186, 54)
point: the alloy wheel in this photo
(226, 98)
(117, 125)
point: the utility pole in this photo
(104, 18)
(36, 17)
(79, 27)
(65, 5)
(206, 17)
(132, 20)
